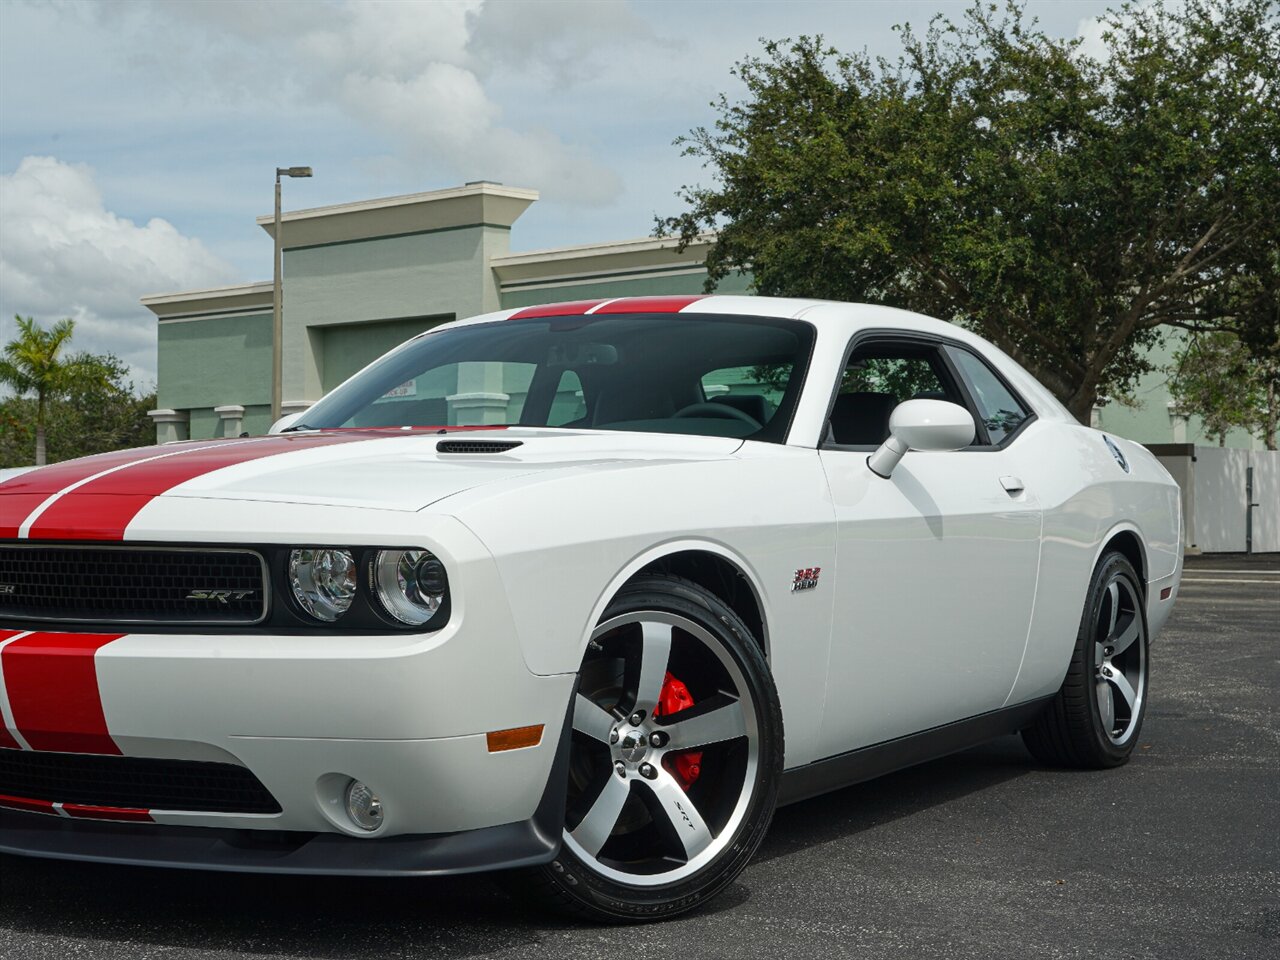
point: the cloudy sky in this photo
(138, 139)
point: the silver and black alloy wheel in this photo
(1120, 660)
(1095, 718)
(674, 759)
(632, 782)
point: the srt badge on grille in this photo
(806, 579)
(222, 596)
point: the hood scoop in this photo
(477, 446)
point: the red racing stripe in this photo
(102, 508)
(649, 304)
(22, 494)
(26, 804)
(51, 681)
(571, 308)
(6, 738)
(84, 811)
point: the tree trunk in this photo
(40, 449)
(1081, 406)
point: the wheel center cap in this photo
(634, 748)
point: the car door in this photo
(936, 566)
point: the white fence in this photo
(1230, 498)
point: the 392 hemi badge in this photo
(221, 596)
(806, 579)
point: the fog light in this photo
(363, 806)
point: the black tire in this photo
(1072, 731)
(576, 885)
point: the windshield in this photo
(663, 373)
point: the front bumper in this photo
(525, 843)
(407, 714)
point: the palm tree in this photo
(31, 364)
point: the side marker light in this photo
(514, 739)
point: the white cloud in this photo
(1090, 30)
(62, 253)
(413, 72)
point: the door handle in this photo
(1012, 485)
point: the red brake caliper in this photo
(675, 696)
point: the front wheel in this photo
(675, 758)
(1095, 718)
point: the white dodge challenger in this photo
(585, 590)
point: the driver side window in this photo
(880, 375)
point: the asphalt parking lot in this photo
(980, 855)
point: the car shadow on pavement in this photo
(847, 812)
(58, 908)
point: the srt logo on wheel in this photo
(684, 813)
(806, 579)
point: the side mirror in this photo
(922, 425)
(288, 420)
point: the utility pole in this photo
(277, 305)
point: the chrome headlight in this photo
(411, 584)
(323, 581)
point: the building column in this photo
(477, 409)
(1178, 421)
(171, 425)
(232, 416)
(290, 407)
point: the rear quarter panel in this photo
(1087, 499)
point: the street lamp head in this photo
(293, 171)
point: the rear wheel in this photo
(675, 757)
(1095, 718)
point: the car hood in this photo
(379, 469)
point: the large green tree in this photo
(1249, 305)
(1064, 206)
(1214, 377)
(65, 405)
(33, 362)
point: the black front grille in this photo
(131, 585)
(134, 782)
(477, 446)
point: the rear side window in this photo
(1000, 410)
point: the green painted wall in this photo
(1149, 420)
(424, 274)
(635, 287)
(368, 279)
(214, 361)
(346, 349)
(257, 419)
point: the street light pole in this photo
(277, 304)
